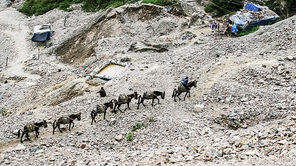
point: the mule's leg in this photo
(53, 128)
(105, 114)
(58, 124)
(73, 124)
(119, 108)
(37, 132)
(114, 108)
(158, 100)
(178, 95)
(93, 117)
(143, 102)
(27, 135)
(70, 126)
(92, 120)
(185, 95)
(174, 97)
(127, 106)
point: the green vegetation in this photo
(38, 7)
(284, 8)
(222, 7)
(159, 2)
(242, 33)
(130, 137)
(137, 126)
(151, 119)
(3, 112)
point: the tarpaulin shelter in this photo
(41, 33)
(252, 16)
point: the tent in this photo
(252, 16)
(41, 33)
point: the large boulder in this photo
(145, 46)
(70, 90)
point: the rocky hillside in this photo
(242, 110)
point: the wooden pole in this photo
(38, 54)
(65, 20)
(6, 61)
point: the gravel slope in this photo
(241, 112)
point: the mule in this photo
(30, 128)
(150, 95)
(66, 120)
(102, 108)
(182, 89)
(125, 99)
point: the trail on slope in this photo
(18, 31)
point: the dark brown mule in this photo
(182, 89)
(66, 120)
(150, 95)
(30, 128)
(125, 99)
(102, 108)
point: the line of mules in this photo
(102, 108)
(31, 127)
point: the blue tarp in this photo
(246, 20)
(41, 37)
(234, 28)
(251, 7)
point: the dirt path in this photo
(19, 33)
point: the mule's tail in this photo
(19, 133)
(53, 126)
(92, 115)
(174, 92)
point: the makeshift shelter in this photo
(252, 16)
(41, 33)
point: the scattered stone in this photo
(119, 138)
(198, 108)
(20, 147)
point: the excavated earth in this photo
(242, 110)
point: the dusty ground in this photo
(241, 112)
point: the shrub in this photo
(222, 7)
(130, 137)
(209, 8)
(137, 126)
(159, 2)
(3, 112)
(242, 33)
(151, 119)
(64, 5)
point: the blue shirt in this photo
(184, 81)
